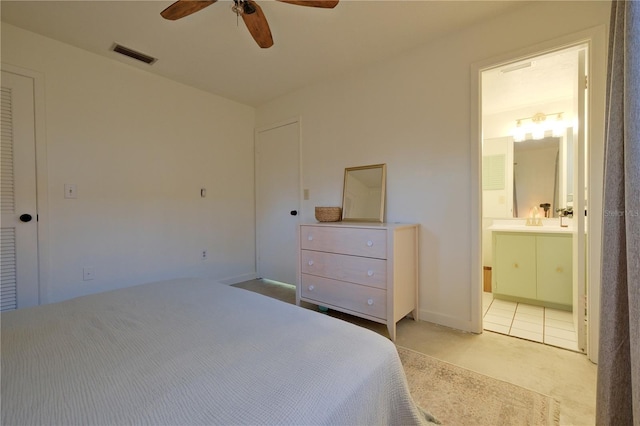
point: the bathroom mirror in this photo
(518, 176)
(536, 173)
(364, 193)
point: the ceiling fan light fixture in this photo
(243, 7)
(251, 13)
(237, 7)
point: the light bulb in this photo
(537, 132)
(518, 132)
(559, 127)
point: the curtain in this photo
(618, 392)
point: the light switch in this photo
(70, 190)
(306, 194)
(87, 273)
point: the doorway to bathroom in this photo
(534, 186)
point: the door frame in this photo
(42, 180)
(596, 40)
(257, 130)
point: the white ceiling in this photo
(213, 51)
(544, 79)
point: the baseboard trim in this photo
(446, 320)
(238, 278)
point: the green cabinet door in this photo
(515, 265)
(555, 268)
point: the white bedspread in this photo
(187, 352)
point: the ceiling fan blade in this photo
(257, 24)
(326, 4)
(183, 8)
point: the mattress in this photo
(191, 352)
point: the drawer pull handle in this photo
(370, 302)
(515, 265)
(311, 287)
(369, 243)
(310, 238)
(311, 263)
(559, 269)
(370, 273)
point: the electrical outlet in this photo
(87, 273)
(205, 254)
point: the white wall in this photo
(139, 148)
(413, 113)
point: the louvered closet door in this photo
(19, 238)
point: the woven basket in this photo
(328, 214)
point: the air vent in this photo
(133, 54)
(516, 67)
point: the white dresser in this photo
(363, 269)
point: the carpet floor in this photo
(457, 396)
(452, 394)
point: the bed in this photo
(190, 352)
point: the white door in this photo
(579, 205)
(19, 231)
(277, 158)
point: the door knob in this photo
(294, 212)
(25, 217)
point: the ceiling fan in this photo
(251, 14)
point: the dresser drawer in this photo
(354, 241)
(354, 269)
(358, 298)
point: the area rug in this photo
(457, 396)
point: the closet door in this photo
(19, 287)
(277, 159)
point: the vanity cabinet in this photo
(366, 270)
(555, 269)
(535, 268)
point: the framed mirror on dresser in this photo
(364, 193)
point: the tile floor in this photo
(549, 326)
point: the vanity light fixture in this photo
(538, 125)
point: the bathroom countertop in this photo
(539, 229)
(549, 226)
